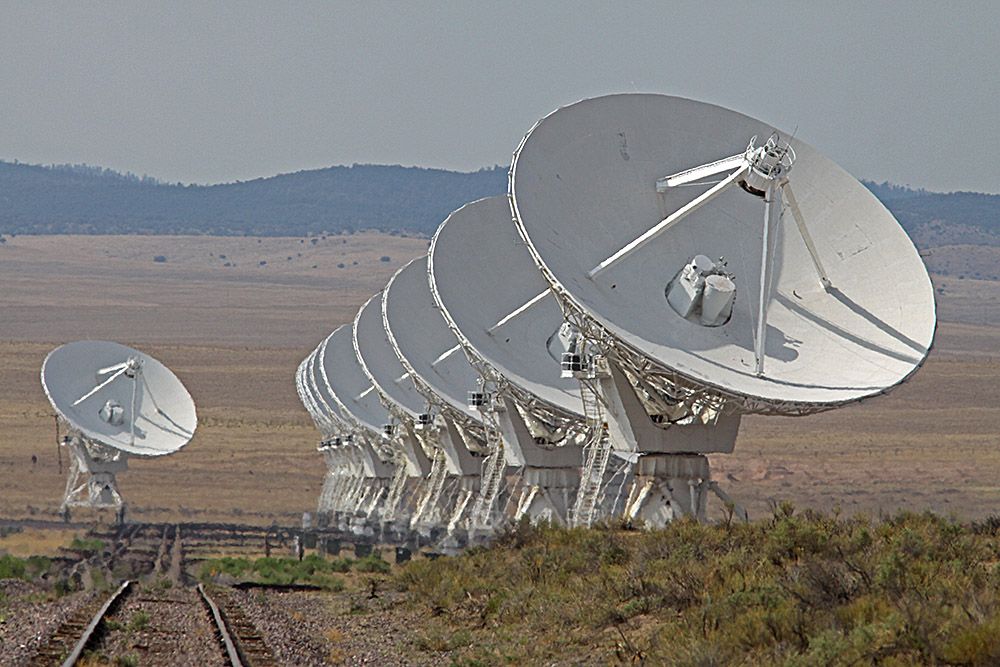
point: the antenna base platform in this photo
(91, 482)
(669, 487)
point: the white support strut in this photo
(670, 221)
(517, 311)
(700, 172)
(121, 370)
(765, 279)
(800, 223)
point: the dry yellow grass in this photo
(36, 542)
(236, 334)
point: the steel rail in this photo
(95, 622)
(232, 652)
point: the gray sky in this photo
(211, 92)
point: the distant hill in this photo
(936, 218)
(80, 199)
(89, 200)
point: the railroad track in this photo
(77, 633)
(237, 641)
(155, 617)
(238, 636)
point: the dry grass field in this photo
(236, 333)
(235, 336)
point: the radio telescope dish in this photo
(359, 404)
(509, 322)
(647, 214)
(499, 305)
(119, 397)
(324, 415)
(424, 344)
(380, 363)
(304, 395)
(351, 390)
(325, 404)
(320, 387)
(441, 372)
(349, 386)
(403, 405)
(339, 471)
(118, 402)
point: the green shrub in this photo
(87, 546)
(139, 620)
(372, 563)
(12, 567)
(28, 568)
(313, 569)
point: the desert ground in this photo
(233, 317)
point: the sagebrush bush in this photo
(797, 589)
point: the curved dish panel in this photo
(422, 340)
(484, 280)
(348, 384)
(584, 187)
(379, 360)
(143, 410)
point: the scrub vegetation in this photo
(12, 567)
(797, 589)
(313, 570)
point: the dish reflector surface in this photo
(481, 274)
(422, 339)
(307, 393)
(380, 362)
(583, 186)
(350, 387)
(316, 395)
(164, 414)
(320, 392)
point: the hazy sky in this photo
(209, 92)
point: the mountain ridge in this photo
(85, 199)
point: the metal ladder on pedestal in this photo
(395, 496)
(428, 505)
(494, 468)
(596, 457)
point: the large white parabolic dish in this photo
(350, 387)
(320, 394)
(307, 394)
(164, 415)
(422, 340)
(480, 274)
(379, 360)
(583, 186)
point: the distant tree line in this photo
(914, 208)
(79, 199)
(83, 199)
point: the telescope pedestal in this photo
(363, 497)
(453, 463)
(672, 475)
(547, 494)
(91, 482)
(551, 475)
(668, 487)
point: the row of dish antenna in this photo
(574, 350)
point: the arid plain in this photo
(233, 316)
